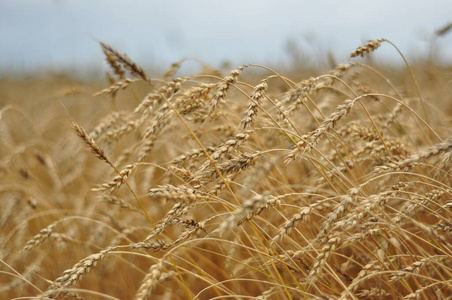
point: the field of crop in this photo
(249, 184)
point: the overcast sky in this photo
(57, 33)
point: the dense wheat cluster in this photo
(248, 184)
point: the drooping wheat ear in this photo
(98, 151)
(365, 233)
(391, 117)
(164, 112)
(221, 185)
(156, 97)
(299, 95)
(355, 129)
(324, 254)
(432, 197)
(232, 166)
(186, 175)
(223, 87)
(192, 226)
(283, 113)
(366, 206)
(226, 148)
(371, 46)
(346, 203)
(255, 101)
(416, 158)
(186, 199)
(379, 151)
(371, 269)
(415, 267)
(39, 238)
(175, 194)
(126, 62)
(173, 69)
(178, 210)
(443, 285)
(302, 215)
(105, 125)
(250, 208)
(151, 134)
(113, 62)
(192, 155)
(117, 182)
(115, 87)
(193, 99)
(309, 141)
(71, 276)
(150, 281)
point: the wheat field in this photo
(249, 184)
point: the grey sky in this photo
(64, 33)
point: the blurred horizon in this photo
(59, 35)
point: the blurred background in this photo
(59, 35)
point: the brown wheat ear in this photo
(98, 151)
(125, 61)
(370, 47)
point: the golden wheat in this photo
(337, 186)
